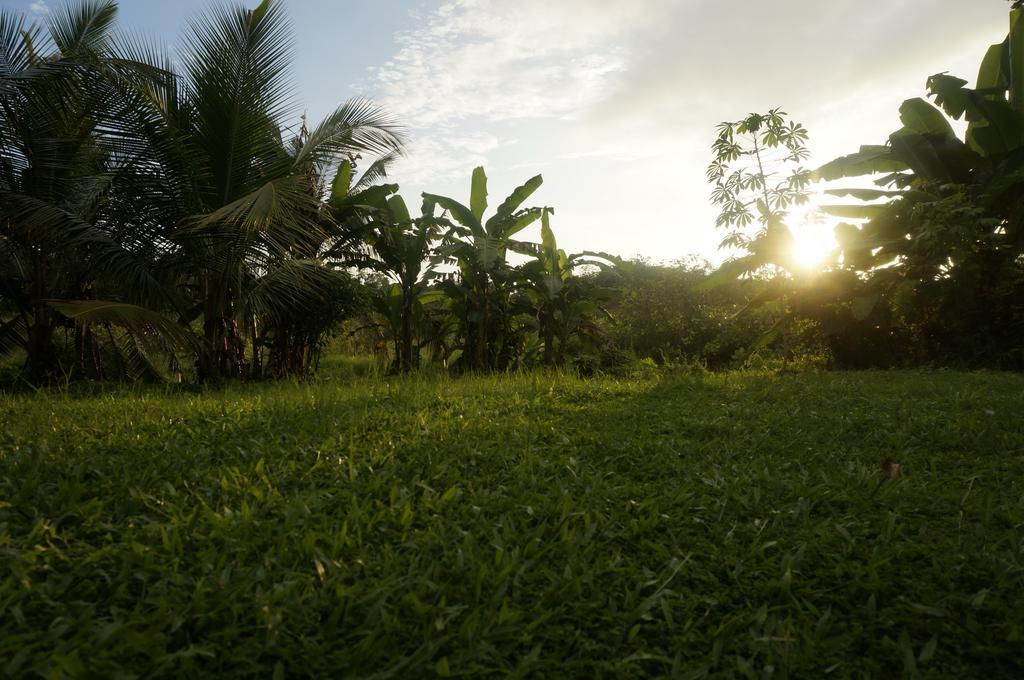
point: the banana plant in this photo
(481, 294)
(392, 243)
(939, 236)
(402, 250)
(925, 164)
(565, 304)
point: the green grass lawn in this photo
(731, 525)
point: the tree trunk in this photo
(212, 338)
(257, 356)
(483, 325)
(549, 340)
(42, 352)
(223, 355)
(404, 349)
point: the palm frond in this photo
(238, 85)
(13, 335)
(16, 41)
(291, 286)
(37, 221)
(357, 126)
(83, 26)
(377, 171)
(146, 322)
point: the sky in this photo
(615, 102)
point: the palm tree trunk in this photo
(211, 359)
(257, 358)
(42, 352)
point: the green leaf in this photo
(950, 94)
(762, 208)
(252, 211)
(399, 211)
(257, 14)
(342, 181)
(928, 609)
(869, 160)
(133, 317)
(373, 198)
(461, 213)
(729, 271)
(13, 335)
(921, 117)
(855, 212)
(478, 195)
(516, 198)
(487, 251)
(429, 296)
(992, 74)
(996, 129)
(929, 650)
(769, 336)
(548, 244)
(525, 247)
(933, 157)
(907, 652)
(1016, 41)
(521, 222)
(864, 194)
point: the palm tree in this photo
(68, 97)
(243, 208)
(180, 193)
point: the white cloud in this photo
(475, 64)
(499, 60)
(724, 59)
(443, 157)
(39, 7)
(620, 99)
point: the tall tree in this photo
(237, 199)
(69, 97)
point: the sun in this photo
(813, 238)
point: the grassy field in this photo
(731, 525)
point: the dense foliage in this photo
(163, 220)
(941, 245)
(932, 269)
(169, 221)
